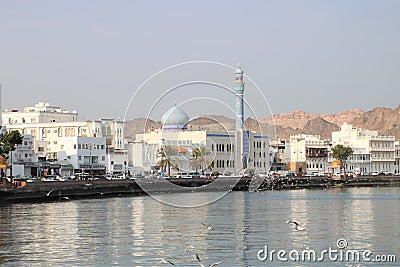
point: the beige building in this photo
(307, 154)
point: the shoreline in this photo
(70, 190)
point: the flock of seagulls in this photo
(295, 225)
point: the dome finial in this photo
(239, 69)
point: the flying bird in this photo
(297, 226)
(209, 227)
(48, 194)
(211, 265)
(166, 261)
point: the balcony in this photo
(23, 147)
(92, 166)
(317, 155)
(382, 138)
(389, 149)
(382, 159)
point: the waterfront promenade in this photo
(68, 190)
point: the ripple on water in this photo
(140, 231)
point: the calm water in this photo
(140, 231)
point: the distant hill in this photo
(384, 120)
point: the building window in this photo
(103, 158)
(41, 149)
(62, 146)
(74, 146)
(79, 146)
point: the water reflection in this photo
(140, 231)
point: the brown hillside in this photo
(384, 120)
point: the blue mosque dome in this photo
(174, 119)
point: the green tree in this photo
(8, 141)
(342, 153)
(168, 158)
(200, 158)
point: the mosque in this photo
(231, 153)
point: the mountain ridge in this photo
(382, 119)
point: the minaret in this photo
(239, 92)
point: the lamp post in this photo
(90, 159)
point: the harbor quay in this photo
(70, 190)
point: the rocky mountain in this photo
(384, 120)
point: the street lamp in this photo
(90, 159)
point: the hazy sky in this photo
(91, 56)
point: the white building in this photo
(143, 152)
(371, 152)
(56, 135)
(307, 154)
(397, 157)
(232, 152)
(40, 113)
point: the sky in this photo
(92, 56)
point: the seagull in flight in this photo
(66, 198)
(209, 227)
(211, 265)
(48, 194)
(166, 261)
(297, 226)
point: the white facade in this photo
(397, 157)
(40, 113)
(54, 132)
(143, 152)
(307, 154)
(371, 152)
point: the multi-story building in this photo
(40, 113)
(278, 156)
(56, 135)
(397, 157)
(307, 154)
(371, 152)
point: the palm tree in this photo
(168, 158)
(200, 159)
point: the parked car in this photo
(290, 174)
